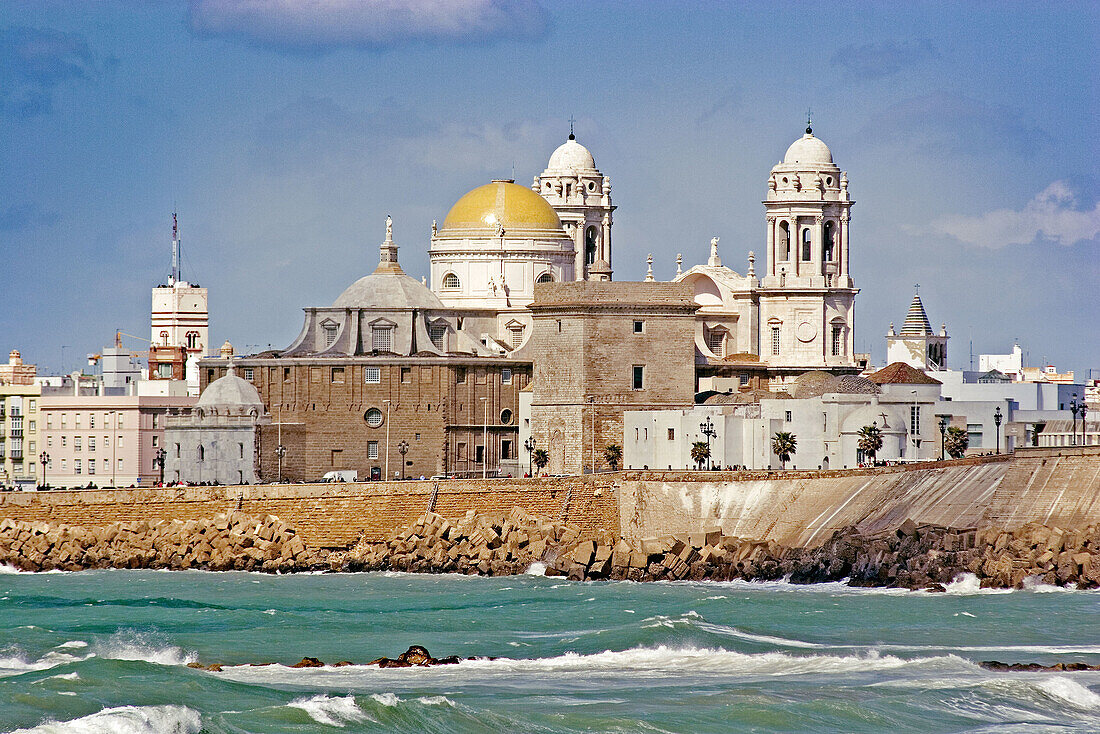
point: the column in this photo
(843, 245)
(815, 250)
(771, 218)
(605, 240)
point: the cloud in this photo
(884, 58)
(314, 26)
(1052, 215)
(25, 216)
(34, 62)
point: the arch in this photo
(164, 338)
(450, 280)
(545, 278)
(192, 340)
(807, 245)
(783, 246)
(590, 241)
(828, 245)
(707, 292)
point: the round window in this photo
(373, 417)
(591, 185)
(784, 179)
(506, 416)
(829, 180)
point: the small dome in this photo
(501, 203)
(808, 149)
(811, 384)
(387, 290)
(854, 385)
(571, 156)
(230, 394)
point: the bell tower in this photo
(581, 196)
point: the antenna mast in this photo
(175, 251)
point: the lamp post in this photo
(707, 429)
(403, 448)
(484, 437)
(943, 433)
(387, 474)
(529, 444)
(1075, 409)
(280, 451)
(997, 418)
(45, 459)
(159, 460)
(1084, 410)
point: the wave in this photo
(332, 711)
(128, 645)
(536, 569)
(17, 664)
(1069, 691)
(126, 720)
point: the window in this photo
(479, 454)
(505, 449)
(177, 450)
(743, 379)
(716, 342)
(590, 246)
(240, 448)
(418, 437)
(545, 278)
(330, 334)
(372, 449)
(372, 375)
(192, 340)
(156, 441)
(837, 331)
(827, 246)
(406, 374)
(118, 442)
(783, 246)
(382, 339)
(974, 434)
(49, 442)
(506, 376)
(62, 420)
(249, 373)
(672, 434)
(787, 416)
(775, 340)
(49, 420)
(91, 443)
(32, 404)
(63, 441)
(164, 371)
(31, 426)
(450, 280)
(91, 420)
(639, 327)
(76, 466)
(164, 338)
(76, 420)
(807, 245)
(437, 332)
(76, 443)
(373, 417)
(637, 377)
(91, 466)
(460, 452)
(914, 420)
(506, 417)
(286, 374)
(156, 420)
(517, 337)
(202, 452)
(460, 375)
(337, 375)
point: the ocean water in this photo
(106, 651)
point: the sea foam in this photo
(126, 720)
(332, 711)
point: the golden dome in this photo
(501, 203)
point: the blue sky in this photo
(283, 132)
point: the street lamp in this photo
(159, 461)
(1074, 408)
(707, 429)
(1084, 410)
(529, 444)
(280, 451)
(997, 418)
(403, 448)
(45, 459)
(943, 433)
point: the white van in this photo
(341, 475)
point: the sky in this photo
(284, 131)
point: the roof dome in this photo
(854, 385)
(571, 156)
(808, 149)
(230, 393)
(387, 290)
(501, 203)
(884, 417)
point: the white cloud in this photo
(1052, 214)
(319, 25)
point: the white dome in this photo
(387, 290)
(230, 394)
(808, 149)
(572, 156)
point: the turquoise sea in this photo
(106, 651)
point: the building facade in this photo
(19, 423)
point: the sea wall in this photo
(1057, 487)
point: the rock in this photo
(308, 663)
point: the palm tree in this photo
(956, 442)
(540, 457)
(613, 454)
(784, 445)
(700, 452)
(870, 440)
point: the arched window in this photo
(192, 340)
(164, 338)
(783, 246)
(807, 244)
(590, 246)
(827, 245)
(202, 452)
(450, 280)
(545, 278)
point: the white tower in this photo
(807, 297)
(581, 196)
(917, 345)
(179, 313)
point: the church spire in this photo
(916, 321)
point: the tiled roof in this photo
(916, 321)
(900, 373)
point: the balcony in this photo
(17, 455)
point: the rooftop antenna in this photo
(571, 121)
(175, 251)
(809, 121)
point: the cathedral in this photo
(402, 376)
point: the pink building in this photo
(105, 440)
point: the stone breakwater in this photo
(911, 556)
